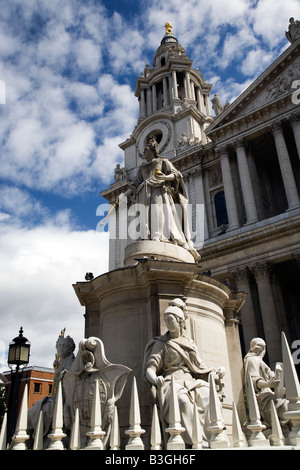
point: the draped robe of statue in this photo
(179, 357)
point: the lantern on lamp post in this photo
(18, 356)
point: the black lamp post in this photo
(18, 356)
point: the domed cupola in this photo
(169, 49)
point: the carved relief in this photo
(215, 177)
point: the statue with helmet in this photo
(174, 354)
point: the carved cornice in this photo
(249, 239)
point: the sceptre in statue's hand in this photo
(115, 204)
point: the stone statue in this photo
(294, 31)
(119, 173)
(89, 366)
(266, 383)
(174, 354)
(160, 190)
(217, 105)
(65, 347)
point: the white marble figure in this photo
(90, 367)
(217, 105)
(175, 355)
(294, 31)
(159, 188)
(65, 347)
(266, 383)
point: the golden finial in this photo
(62, 333)
(168, 27)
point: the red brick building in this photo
(39, 381)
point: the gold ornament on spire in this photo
(168, 27)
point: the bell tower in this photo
(173, 103)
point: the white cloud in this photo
(235, 45)
(88, 55)
(18, 203)
(54, 47)
(270, 19)
(40, 266)
(42, 254)
(255, 62)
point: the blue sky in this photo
(70, 69)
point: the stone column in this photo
(187, 85)
(174, 85)
(228, 189)
(199, 100)
(286, 167)
(262, 272)
(170, 82)
(193, 95)
(249, 326)
(246, 184)
(154, 100)
(149, 102)
(295, 123)
(142, 104)
(207, 105)
(165, 91)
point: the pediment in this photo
(273, 84)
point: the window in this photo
(220, 207)
(37, 387)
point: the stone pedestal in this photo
(157, 250)
(125, 309)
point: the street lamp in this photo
(19, 351)
(18, 355)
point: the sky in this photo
(67, 77)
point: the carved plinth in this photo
(157, 250)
